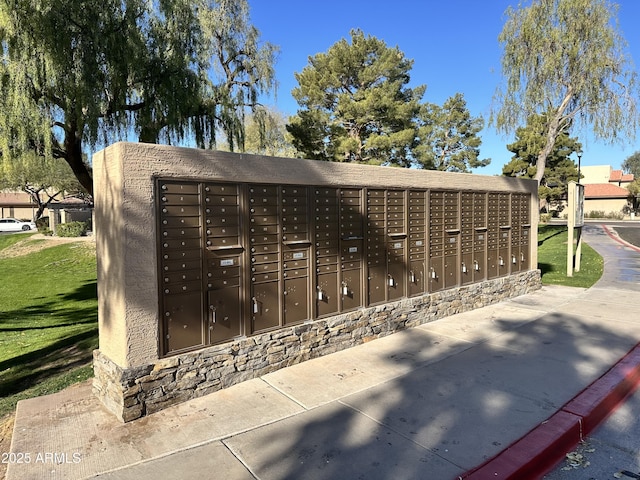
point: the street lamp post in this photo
(579, 153)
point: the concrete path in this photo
(434, 402)
(614, 447)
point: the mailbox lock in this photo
(321, 295)
(464, 268)
(501, 261)
(521, 257)
(433, 273)
(392, 282)
(212, 315)
(513, 259)
(476, 266)
(345, 289)
(412, 277)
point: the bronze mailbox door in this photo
(327, 290)
(351, 290)
(296, 299)
(479, 263)
(183, 321)
(265, 305)
(225, 314)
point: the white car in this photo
(13, 225)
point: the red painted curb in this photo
(540, 449)
(619, 240)
(604, 395)
(537, 452)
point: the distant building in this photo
(17, 205)
(605, 190)
(20, 205)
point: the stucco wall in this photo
(126, 234)
(607, 205)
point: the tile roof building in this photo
(605, 190)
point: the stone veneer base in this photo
(136, 392)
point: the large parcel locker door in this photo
(180, 252)
(327, 248)
(351, 284)
(225, 314)
(264, 240)
(417, 237)
(183, 322)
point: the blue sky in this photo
(453, 44)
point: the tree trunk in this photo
(552, 135)
(73, 156)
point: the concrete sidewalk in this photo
(433, 402)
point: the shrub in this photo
(544, 217)
(72, 229)
(595, 214)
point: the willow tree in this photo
(568, 59)
(78, 73)
(559, 169)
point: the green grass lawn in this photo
(48, 316)
(552, 259)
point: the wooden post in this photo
(571, 218)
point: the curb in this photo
(538, 451)
(614, 236)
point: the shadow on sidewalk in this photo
(443, 418)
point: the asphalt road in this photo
(629, 234)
